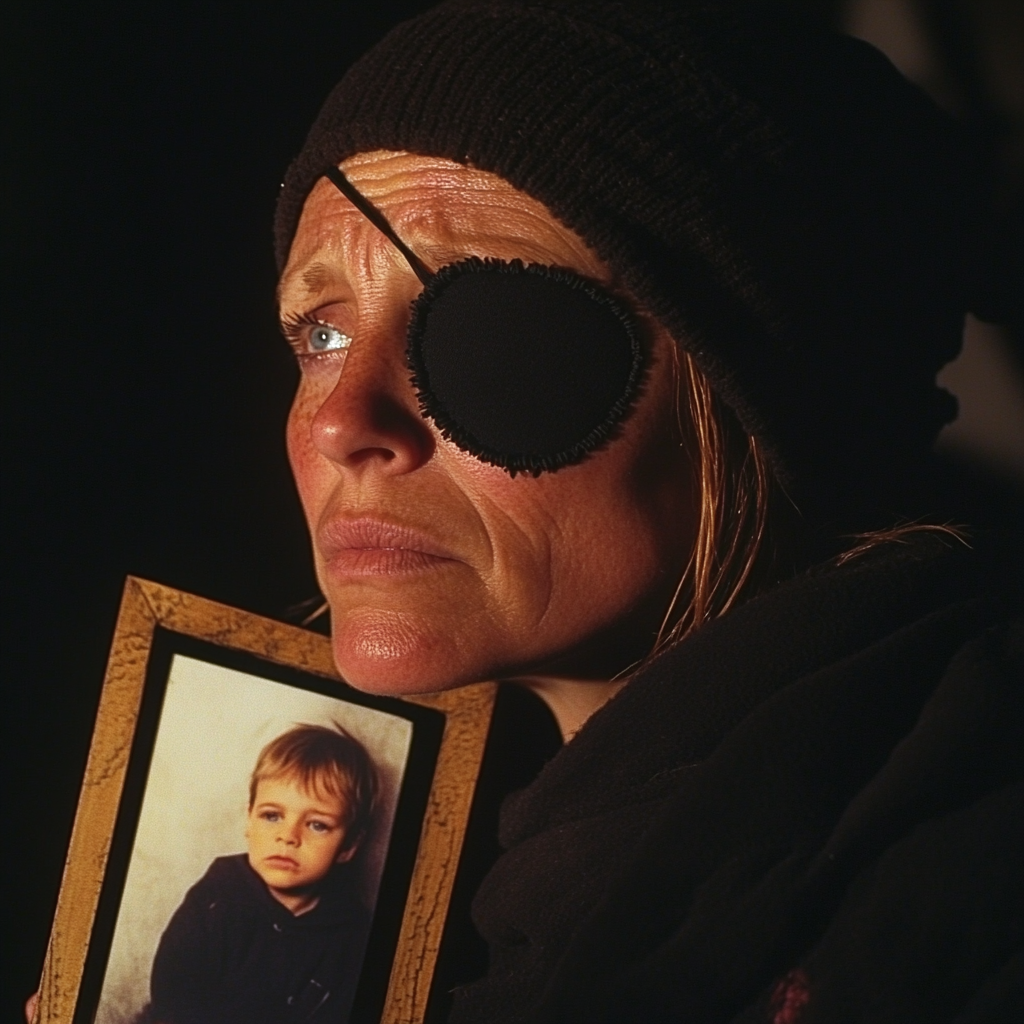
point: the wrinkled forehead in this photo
(442, 210)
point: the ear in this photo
(346, 853)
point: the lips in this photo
(281, 862)
(372, 547)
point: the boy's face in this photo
(294, 836)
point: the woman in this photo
(792, 767)
(800, 809)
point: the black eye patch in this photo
(524, 366)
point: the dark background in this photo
(144, 383)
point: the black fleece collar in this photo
(676, 711)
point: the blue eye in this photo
(324, 338)
(309, 336)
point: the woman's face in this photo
(439, 569)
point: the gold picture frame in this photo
(154, 618)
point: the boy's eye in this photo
(270, 815)
(320, 826)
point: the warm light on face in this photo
(440, 569)
(294, 836)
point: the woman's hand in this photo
(32, 1008)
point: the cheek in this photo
(578, 549)
(322, 850)
(624, 521)
(309, 468)
(613, 547)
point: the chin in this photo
(390, 653)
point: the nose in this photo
(289, 833)
(371, 418)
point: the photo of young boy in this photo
(277, 934)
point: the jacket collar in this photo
(674, 713)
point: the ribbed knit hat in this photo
(779, 197)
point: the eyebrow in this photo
(316, 276)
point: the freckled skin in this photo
(564, 576)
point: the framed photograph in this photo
(252, 831)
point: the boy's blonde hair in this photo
(323, 760)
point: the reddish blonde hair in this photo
(737, 501)
(732, 483)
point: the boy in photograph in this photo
(277, 934)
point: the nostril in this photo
(366, 454)
(356, 428)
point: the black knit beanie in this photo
(779, 197)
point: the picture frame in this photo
(171, 646)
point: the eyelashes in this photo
(310, 336)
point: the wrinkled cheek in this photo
(308, 465)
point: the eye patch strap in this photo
(377, 219)
(524, 366)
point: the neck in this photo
(572, 701)
(297, 903)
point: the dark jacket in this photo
(808, 811)
(232, 954)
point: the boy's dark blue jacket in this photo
(232, 954)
